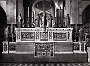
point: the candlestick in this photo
(28, 11)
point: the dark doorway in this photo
(3, 23)
(86, 15)
(86, 24)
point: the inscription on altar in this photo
(38, 35)
(27, 36)
(59, 36)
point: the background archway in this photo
(86, 15)
(37, 8)
(86, 22)
(3, 23)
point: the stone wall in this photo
(10, 7)
(11, 11)
(75, 9)
(19, 9)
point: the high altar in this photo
(46, 40)
(44, 43)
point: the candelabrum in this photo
(6, 33)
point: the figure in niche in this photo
(6, 32)
(19, 20)
(41, 20)
(80, 34)
(68, 21)
(22, 22)
(37, 21)
(48, 18)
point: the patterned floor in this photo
(45, 64)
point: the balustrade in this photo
(79, 46)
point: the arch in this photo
(3, 16)
(3, 5)
(42, 0)
(3, 23)
(85, 4)
(34, 9)
(51, 1)
(86, 14)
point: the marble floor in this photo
(45, 64)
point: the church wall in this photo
(67, 7)
(74, 12)
(71, 8)
(20, 8)
(85, 4)
(11, 11)
(9, 7)
(75, 9)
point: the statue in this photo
(67, 21)
(48, 20)
(19, 20)
(80, 34)
(6, 32)
(37, 21)
(41, 20)
(22, 25)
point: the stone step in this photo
(29, 58)
(45, 64)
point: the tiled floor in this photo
(45, 64)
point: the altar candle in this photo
(55, 11)
(28, 11)
(32, 14)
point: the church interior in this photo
(44, 31)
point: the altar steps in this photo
(29, 58)
(45, 64)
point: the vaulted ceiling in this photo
(47, 5)
(30, 2)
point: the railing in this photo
(79, 46)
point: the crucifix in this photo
(44, 15)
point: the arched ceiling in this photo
(48, 5)
(26, 2)
(31, 2)
(86, 15)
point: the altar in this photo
(43, 42)
(44, 34)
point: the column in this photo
(84, 46)
(28, 18)
(80, 46)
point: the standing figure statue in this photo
(6, 32)
(48, 20)
(37, 21)
(20, 20)
(41, 20)
(80, 34)
(68, 21)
